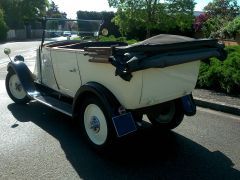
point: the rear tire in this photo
(15, 89)
(167, 115)
(96, 125)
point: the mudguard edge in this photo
(25, 76)
(94, 88)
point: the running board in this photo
(55, 104)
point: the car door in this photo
(47, 73)
(66, 71)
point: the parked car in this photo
(67, 33)
(108, 86)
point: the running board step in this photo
(55, 104)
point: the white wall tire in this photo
(15, 89)
(96, 125)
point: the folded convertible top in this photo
(163, 51)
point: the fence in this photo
(21, 34)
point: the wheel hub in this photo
(18, 86)
(95, 124)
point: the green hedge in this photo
(119, 39)
(222, 76)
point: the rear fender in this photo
(98, 90)
(188, 105)
(25, 76)
(123, 123)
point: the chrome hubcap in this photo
(18, 87)
(95, 124)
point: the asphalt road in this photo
(37, 142)
(26, 49)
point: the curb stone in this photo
(218, 106)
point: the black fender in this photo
(189, 106)
(25, 76)
(101, 92)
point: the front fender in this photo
(25, 76)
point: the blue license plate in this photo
(124, 124)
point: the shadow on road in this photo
(146, 155)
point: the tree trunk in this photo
(148, 35)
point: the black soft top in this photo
(162, 51)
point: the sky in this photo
(72, 6)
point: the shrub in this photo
(120, 39)
(222, 76)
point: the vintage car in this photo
(107, 87)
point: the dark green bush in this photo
(119, 39)
(222, 76)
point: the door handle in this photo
(73, 70)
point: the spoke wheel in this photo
(15, 89)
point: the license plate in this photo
(124, 124)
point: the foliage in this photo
(105, 16)
(222, 76)
(12, 13)
(3, 26)
(32, 9)
(219, 13)
(53, 12)
(119, 39)
(212, 27)
(199, 21)
(20, 12)
(152, 15)
(181, 12)
(231, 29)
(227, 9)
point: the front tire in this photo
(167, 115)
(96, 124)
(15, 89)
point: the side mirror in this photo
(7, 51)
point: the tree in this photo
(105, 16)
(181, 12)
(226, 9)
(54, 12)
(152, 15)
(12, 13)
(219, 13)
(3, 26)
(33, 9)
(199, 21)
(20, 12)
(138, 14)
(231, 29)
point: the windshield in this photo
(65, 29)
